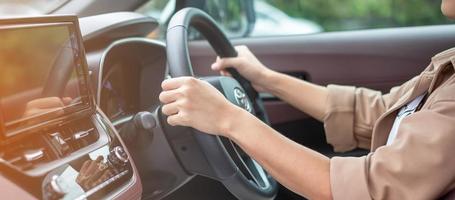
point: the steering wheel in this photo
(215, 157)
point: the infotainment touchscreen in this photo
(42, 77)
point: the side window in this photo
(290, 17)
(231, 15)
(287, 17)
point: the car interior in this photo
(80, 116)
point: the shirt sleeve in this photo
(419, 163)
(352, 112)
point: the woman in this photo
(410, 131)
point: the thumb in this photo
(223, 63)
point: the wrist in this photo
(234, 117)
(265, 78)
(271, 80)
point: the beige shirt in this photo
(420, 163)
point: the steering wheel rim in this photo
(224, 168)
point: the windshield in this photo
(29, 7)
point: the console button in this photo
(118, 157)
(33, 155)
(53, 189)
(82, 134)
(59, 143)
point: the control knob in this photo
(53, 190)
(118, 157)
(145, 120)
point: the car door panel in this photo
(377, 59)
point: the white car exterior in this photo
(272, 21)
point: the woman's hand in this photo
(188, 101)
(248, 66)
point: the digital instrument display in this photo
(42, 75)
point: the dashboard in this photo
(118, 148)
(118, 100)
(108, 73)
(61, 145)
(130, 77)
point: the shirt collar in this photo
(444, 58)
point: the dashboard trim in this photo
(45, 168)
(152, 153)
(122, 120)
(109, 48)
(134, 185)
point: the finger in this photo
(224, 63)
(173, 120)
(215, 64)
(177, 120)
(225, 73)
(170, 96)
(173, 83)
(170, 109)
(240, 48)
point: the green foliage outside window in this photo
(334, 15)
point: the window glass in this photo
(289, 17)
(229, 14)
(285, 17)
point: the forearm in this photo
(305, 96)
(300, 169)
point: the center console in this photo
(54, 142)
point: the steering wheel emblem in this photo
(242, 99)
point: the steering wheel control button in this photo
(242, 99)
(145, 120)
(118, 157)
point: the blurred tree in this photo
(335, 15)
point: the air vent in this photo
(27, 154)
(45, 146)
(73, 136)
